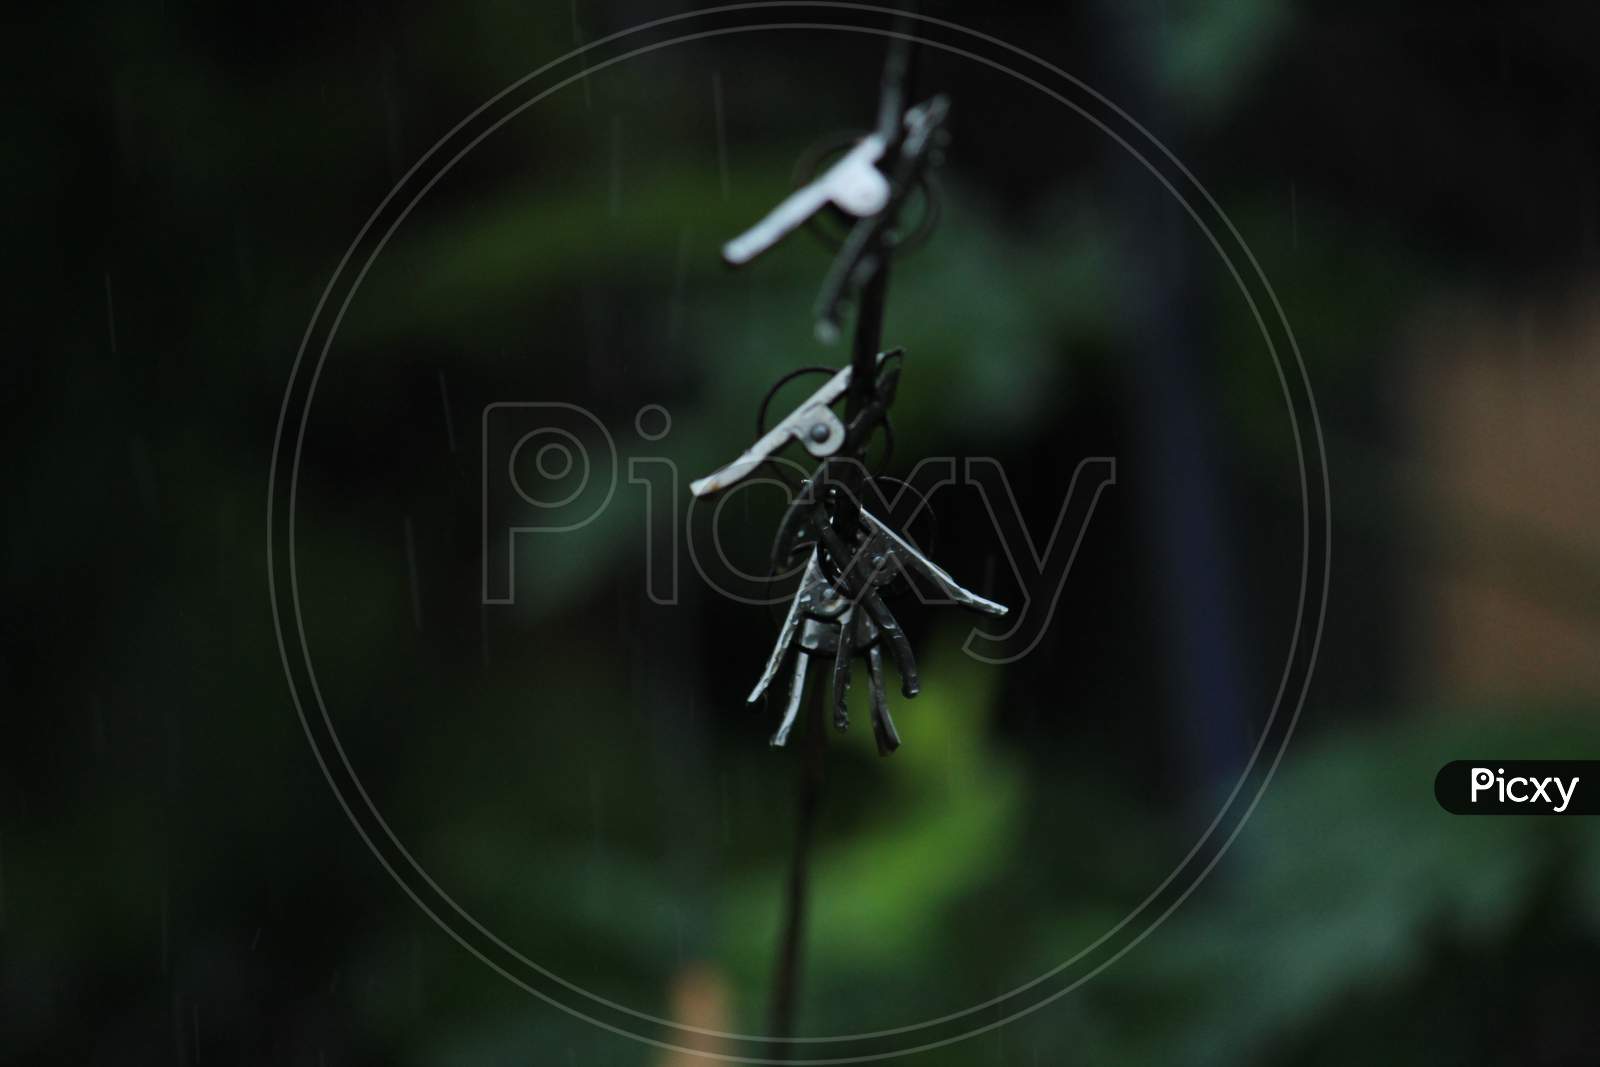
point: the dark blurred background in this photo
(578, 769)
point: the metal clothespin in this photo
(857, 260)
(885, 547)
(814, 424)
(823, 619)
(854, 185)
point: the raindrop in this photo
(224, 526)
(727, 810)
(97, 728)
(679, 275)
(577, 39)
(243, 260)
(1294, 216)
(416, 974)
(616, 166)
(483, 630)
(391, 113)
(411, 565)
(449, 420)
(111, 316)
(171, 723)
(179, 1044)
(722, 131)
(164, 936)
(144, 475)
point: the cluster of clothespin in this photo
(838, 613)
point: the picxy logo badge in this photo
(1518, 787)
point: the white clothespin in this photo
(854, 185)
(813, 424)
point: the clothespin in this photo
(854, 185)
(858, 260)
(813, 423)
(858, 185)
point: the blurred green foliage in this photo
(580, 771)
